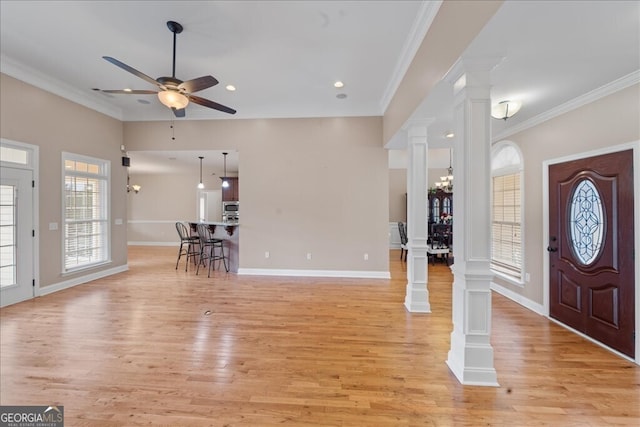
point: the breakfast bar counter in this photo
(230, 233)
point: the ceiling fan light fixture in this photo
(505, 109)
(173, 99)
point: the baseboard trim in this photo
(153, 243)
(515, 297)
(81, 280)
(315, 273)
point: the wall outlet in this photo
(267, 254)
(366, 257)
(527, 277)
(309, 255)
(53, 226)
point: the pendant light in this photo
(225, 183)
(201, 185)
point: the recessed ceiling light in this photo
(449, 134)
(230, 88)
(341, 95)
(338, 84)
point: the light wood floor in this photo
(156, 346)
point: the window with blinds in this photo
(506, 210)
(506, 245)
(86, 212)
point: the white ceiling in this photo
(283, 56)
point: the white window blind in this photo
(506, 247)
(86, 213)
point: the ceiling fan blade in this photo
(211, 104)
(178, 113)
(200, 83)
(129, 92)
(132, 71)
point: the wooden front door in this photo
(591, 248)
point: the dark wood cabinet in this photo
(231, 193)
(440, 202)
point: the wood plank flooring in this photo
(156, 346)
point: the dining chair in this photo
(404, 249)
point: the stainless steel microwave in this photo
(230, 207)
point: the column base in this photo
(417, 299)
(470, 357)
(473, 375)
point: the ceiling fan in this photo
(174, 93)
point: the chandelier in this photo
(446, 181)
(133, 187)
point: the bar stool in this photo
(209, 245)
(189, 245)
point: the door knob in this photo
(550, 249)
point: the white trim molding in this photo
(136, 243)
(587, 98)
(33, 77)
(424, 19)
(516, 297)
(46, 290)
(354, 274)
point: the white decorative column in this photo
(417, 296)
(471, 355)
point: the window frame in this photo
(510, 169)
(104, 176)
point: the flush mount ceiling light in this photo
(505, 109)
(338, 84)
(200, 185)
(230, 88)
(225, 183)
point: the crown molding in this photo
(421, 25)
(35, 78)
(587, 98)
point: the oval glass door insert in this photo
(586, 220)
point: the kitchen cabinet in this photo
(231, 193)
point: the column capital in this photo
(471, 71)
(418, 127)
